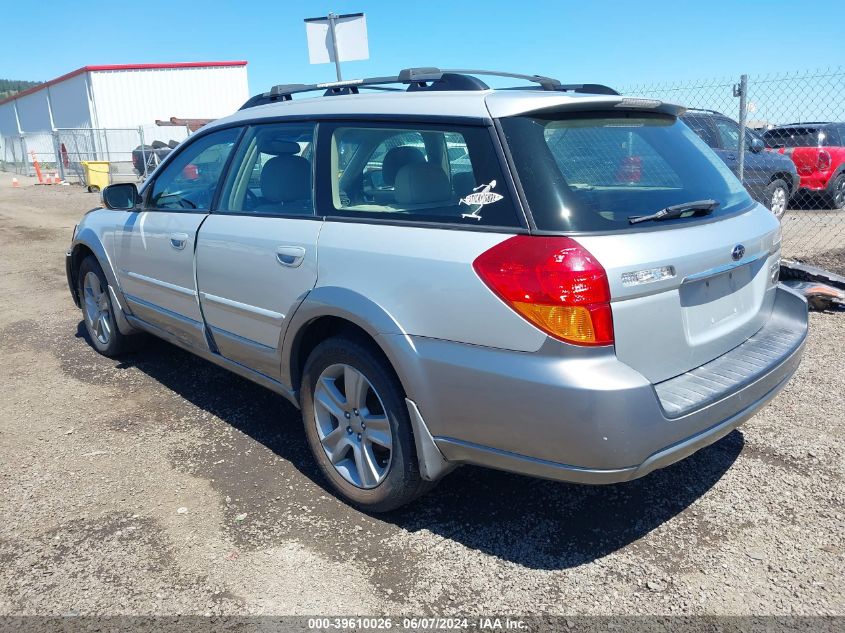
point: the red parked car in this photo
(818, 151)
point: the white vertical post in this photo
(332, 19)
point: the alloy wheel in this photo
(97, 313)
(839, 193)
(352, 426)
(778, 202)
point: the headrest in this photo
(396, 158)
(421, 184)
(277, 147)
(286, 178)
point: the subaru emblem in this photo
(738, 252)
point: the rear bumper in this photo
(816, 182)
(589, 418)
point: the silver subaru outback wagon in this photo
(557, 281)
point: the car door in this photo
(155, 245)
(257, 252)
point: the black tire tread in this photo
(399, 492)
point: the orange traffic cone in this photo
(15, 182)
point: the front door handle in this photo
(178, 240)
(290, 256)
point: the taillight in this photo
(554, 283)
(824, 161)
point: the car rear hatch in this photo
(802, 144)
(806, 159)
(682, 297)
(683, 291)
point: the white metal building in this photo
(122, 97)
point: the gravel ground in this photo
(832, 260)
(161, 484)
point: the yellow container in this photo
(96, 174)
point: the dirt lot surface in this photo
(161, 484)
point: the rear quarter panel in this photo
(423, 278)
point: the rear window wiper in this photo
(685, 209)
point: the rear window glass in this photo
(797, 137)
(419, 173)
(593, 171)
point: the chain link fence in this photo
(784, 136)
(132, 153)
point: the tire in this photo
(837, 193)
(777, 198)
(98, 312)
(337, 423)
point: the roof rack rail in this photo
(805, 123)
(704, 110)
(418, 79)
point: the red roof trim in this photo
(107, 67)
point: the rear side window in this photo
(796, 137)
(593, 171)
(702, 127)
(729, 131)
(418, 173)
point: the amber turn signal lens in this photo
(572, 323)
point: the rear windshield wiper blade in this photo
(700, 207)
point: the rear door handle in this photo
(178, 240)
(290, 256)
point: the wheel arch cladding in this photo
(330, 311)
(785, 176)
(77, 254)
(88, 243)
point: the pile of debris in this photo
(823, 289)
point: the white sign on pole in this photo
(350, 31)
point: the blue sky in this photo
(617, 43)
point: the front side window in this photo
(189, 181)
(420, 173)
(271, 173)
(594, 171)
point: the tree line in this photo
(8, 87)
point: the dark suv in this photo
(818, 151)
(768, 177)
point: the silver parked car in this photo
(546, 281)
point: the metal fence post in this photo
(24, 160)
(57, 149)
(741, 91)
(143, 150)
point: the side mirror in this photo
(121, 197)
(757, 145)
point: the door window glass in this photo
(189, 181)
(700, 126)
(271, 174)
(729, 131)
(423, 174)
